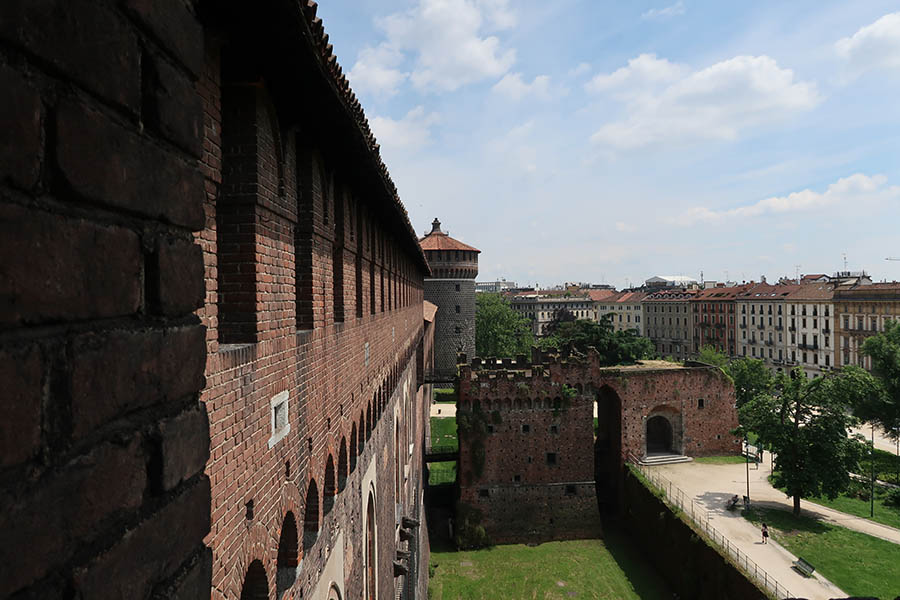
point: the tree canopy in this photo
(751, 378)
(499, 330)
(614, 347)
(883, 407)
(805, 423)
(711, 356)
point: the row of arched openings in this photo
(291, 546)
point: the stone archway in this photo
(607, 448)
(660, 436)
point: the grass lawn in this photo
(443, 431)
(859, 564)
(720, 460)
(607, 568)
(445, 395)
(441, 472)
(886, 515)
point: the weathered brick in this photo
(176, 109)
(74, 269)
(151, 551)
(116, 372)
(86, 40)
(20, 111)
(174, 25)
(67, 510)
(194, 583)
(185, 446)
(180, 271)
(21, 371)
(109, 164)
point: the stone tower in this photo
(454, 266)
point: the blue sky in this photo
(584, 140)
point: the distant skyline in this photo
(582, 140)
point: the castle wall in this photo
(513, 414)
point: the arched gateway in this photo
(551, 436)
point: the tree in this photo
(711, 356)
(614, 347)
(499, 330)
(805, 423)
(560, 316)
(751, 378)
(884, 408)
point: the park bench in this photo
(804, 567)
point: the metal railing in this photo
(700, 517)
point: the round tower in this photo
(454, 266)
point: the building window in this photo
(457, 287)
(279, 422)
(700, 403)
(457, 308)
(551, 458)
(526, 428)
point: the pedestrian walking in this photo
(765, 533)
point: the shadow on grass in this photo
(647, 582)
(775, 516)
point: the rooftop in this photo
(439, 240)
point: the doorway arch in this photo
(660, 435)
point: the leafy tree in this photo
(751, 378)
(805, 423)
(884, 408)
(499, 330)
(614, 347)
(560, 316)
(711, 356)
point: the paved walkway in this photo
(443, 410)
(882, 441)
(712, 486)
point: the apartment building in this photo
(667, 321)
(624, 309)
(714, 318)
(810, 317)
(861, 311)
(541, 309)
(762, 325)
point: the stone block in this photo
(175, 27)
(21, 371)
(105, 162)
(114, 373)
(181, 276)
(86, 40)
(20, 111)
(185, 446)
(176, 109)
(65, 269)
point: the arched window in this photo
(330, 488)
(256, 586)
(311, 516)
(353, 450)
(288, 556)
(371, 569)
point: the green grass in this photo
(445, 396)
(443, 431)
(859, 564)
(441, 472)
(886, 515)
(607, 568)
(720, 460)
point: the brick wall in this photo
(454, 331)
(514, 414)
(103, 444)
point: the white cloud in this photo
(667, 102)
(513, 87)
(663, 13)
(411, 132)
(624, 227)
(447, 43)
(874, 46)
(516, 149)
(377, 71)
(580, 69)
(849, 191)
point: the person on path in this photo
(765, 533)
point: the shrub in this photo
(893, 498)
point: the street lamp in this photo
(872, 491)
(747, 463)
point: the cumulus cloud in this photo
(875, 46)
(514, 87)
(377, 71)
(410, 132)
(446, 44)
(580, 69)
(850, 190)
(624, 227)
(663, 13)
(668, 102)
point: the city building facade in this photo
(541, 309)
(810, 319)
(861, 311)
(714, 317)
(668, 323)
(763, 330)
(495, 287)
(624, 309)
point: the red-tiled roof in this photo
(442, 241)
(812, 291)
(602, 295)
(767, 291)
(428, 311)
(720, 293)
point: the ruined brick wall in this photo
(103, 441)
(514, 413)
(314, 294)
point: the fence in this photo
(700, 516)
